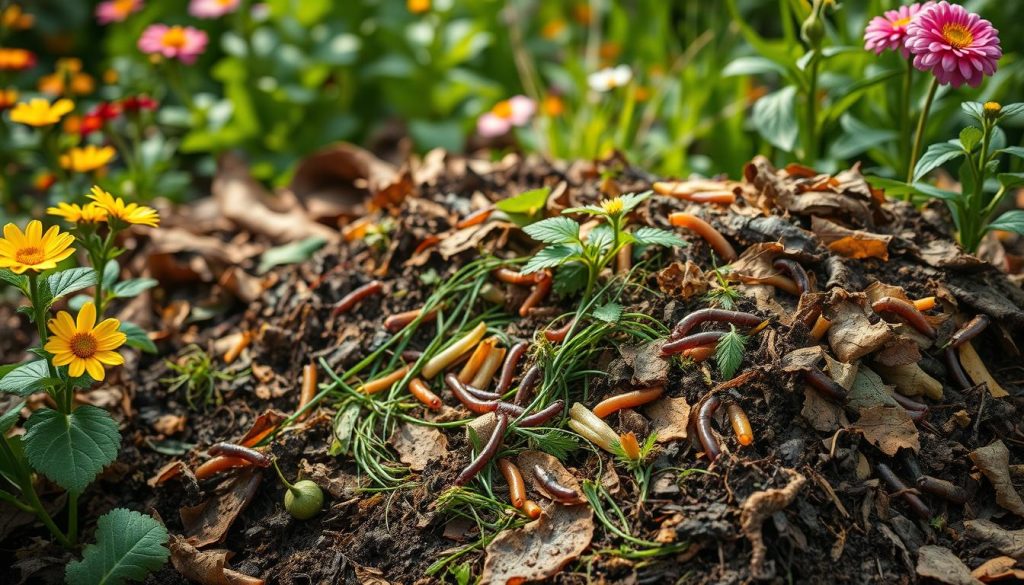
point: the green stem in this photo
(73, 518)
(29, 491)
(811, 154)
(99, 265)
(286, 483)
(919, 134)
(908, 84)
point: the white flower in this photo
(610, 78)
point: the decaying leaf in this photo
(857, 244)
(682, 280)
(418, 445)
(939, 563)
(997, 569)
(668, 418)
(208, 567)
(994, 461)
(170, 470)
(977, 371)
(1008, 542)
(649, 368)
(889, 428)
(343, 180)
(911, 380)
(852, 334)
(208, 523)
(539, 549)
(757, 508)
(527, 459)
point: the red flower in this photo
(138, 103)
(106, 111)
(90, 123)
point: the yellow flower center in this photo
(897, 24)
(993, 107)
(502, 110)
(83, 345)
(30, 256)
(174, 37)
(123, 7)
(612, 206)
(957, 35)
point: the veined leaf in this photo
(68, 281)
(1010, 179)
(10, 417)
(930, 191)
(936, 156)
(110, 273)
(1017, 151)
(774, 116)
(651, 236)
(71, 449)
(554, 230)
(729, 352)
(19, 281)
(133, 287)
(128, 546)
(970, 137)
(137, 337)
(1011, 221)
(550, 257)
(631, 200)
(27, 378)
(600, 237)
(570, 278)
(527, 202)
(608, 312)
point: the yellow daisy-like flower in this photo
(88, 213)
(87, 159)
(34, 250)
(39, 112)
(85, 346)
(613, 205)
(118, 209)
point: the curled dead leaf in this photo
(208, 567)
(852, 334)
(668, 418)
(208, 522)
(939, 563)
(997, 569)
(889, 428)
(994, 461)
(539, 549)
(757, 508)
(1008, 542)
(856, 244)
(682, 280)
(418, 445)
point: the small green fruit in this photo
(304, 499)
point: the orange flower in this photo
(14, 18)
(418, 6)
(16, 59)
(552, 29)
(553, 105)
(8, 97)
(582, 13)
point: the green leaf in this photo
(550, 257)
(1011, 113)
(975, 110)
(570, 278)
(774, 117)
(71, 449)
(752, 65)
(110, 273)
(930, 191)
(631, 200)
(554, 230)
(128, 546)
(893, 187)
(137, 337)
(1017, 151)
(601, 237)
(970, 137)
(292, 253)
(609, 312)
(1011, 221)
(729, 352)
(1009, 180)
(527, 203)
(133, 287)
(71, 280)
(650, 236)
(10, 417)
(27, 378)
(936, 156)
(20, 281)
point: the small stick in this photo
(508, 369)
(955, 369)
(542, 416)
(476, 218)
(738, 318)
(512, 277)
(795, 271)
(530, 378)
(942, 488)
(538, 293)
(896, 484)
(453, 351)
(232, 450)
(820, 328)
(630, 399)
(969, 330)
(907, 311)
(531, 509)
(485, 455)
(514, 479)
(713, 237)
(925, 304)
(218, 464)
(691, 341)
(704, 432)
(558, 335)
(308, 387)
(476, 359)
(740, 423)
(554, 489)
(239, 346)
(398, 321)
(383, 382)
(468, 400)
(825, 385)
(487, 369)
(419, 389)
(351, 299)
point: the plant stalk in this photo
(919, 134)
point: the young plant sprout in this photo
(630, 399)
(303, 499)
(590, 426)
(721, 246)
(353, 298)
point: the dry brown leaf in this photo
(470, 238)
(939, 563)
(169, 471)
(207, 567)
(997, 569)
(977, 371)
(649, 368)
(856, 244)
(266, 423)
(823, 414)
(757, 508)
(208, 523)
(682, 281)
(994, 461)
(911, 380)
(527, 459)
(1008, 542)
(889, 428)
(418, 445)
(668, 418)
(369, 575)
(169, 424)
(852, 335)
(342, 179)
(539, 549)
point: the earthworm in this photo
(969, 330)
(531, 509)
(740, 423)
(476, 359)
(783, 283)
(629, 399)
(486, 453)
(957, 370)
(384, 382)
(538, 293)
(558, 335)
(925, 304)
(630, 446)
(481, 394)
(704, 433)
(820, 328)
(738, 318)
(232, 450)
(512, 277)
(542, 416)
(508, 369)
(468, 400)
(398, 321)
(907, 311)
(508, 408)
(795, 271)
(453, 351)
(530, 378)
(691, 341)
(715, 238)
(419, 389)
(477, 217)
(514, 479)
(308, 387)
(351, 299)
(426, 243)
(915, 409)
(700, 353)
(551, 486)
(218, 464)
(942, 488)
(682, 191)
(821, 382)
(896, 484)
(411, 355)
(239, 346)
(487, 369)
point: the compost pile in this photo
(881, 379)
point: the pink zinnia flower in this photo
(116, 10)
(513, 112)
(212, 8)
(889, 31)
(956, 45)
(173, 42)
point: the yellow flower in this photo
(130, 213)
(88, 213)
(418, 6)
(613, 206)
(33, 250)
(85, 346)
(87, 159)
(39, 112)
(14, 18)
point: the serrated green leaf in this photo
(936, 156)
(558, 444)
(570, 278)
(71, 449)
(133, 287)
(19, 281)
(527, 203)
(651, 236)
(729, 353)
(110, 273)
(970, 137)
(550, 257)
(631, 200)
(71, 280)
(554, 230)
(137, 337)
(128, 546)
(608, 312)
(1011, 221)
(10, 417)
(27, 378)
(601, 237)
